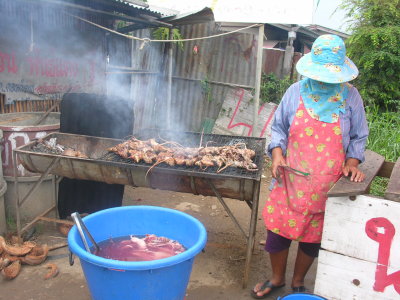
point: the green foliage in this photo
(374, 48)
(378, 186)
(384, 138)
(163, 33)
(120, 24)
(384, 133)
(272, 88)
(11, 224)
(206, 88)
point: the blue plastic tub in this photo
(301, 296)
(163, 279)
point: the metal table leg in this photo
(252, 231)
(253, 224)
(18, 203)
(227, 209)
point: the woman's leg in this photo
(306, 254)
(278, 248)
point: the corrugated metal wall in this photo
(118, 80)
(147, 63)
(203, 73)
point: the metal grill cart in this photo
(360, 257)
(103, 166)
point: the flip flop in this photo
(266, 284)
(299, 289)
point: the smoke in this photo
(44, 52)
(147, 73)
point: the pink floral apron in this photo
(295, 208)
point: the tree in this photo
(374, 46)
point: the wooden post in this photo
(289, 53)
(258, 79)
(287, 61)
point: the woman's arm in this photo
(358, 138)
(282, 119)
(277, 160)
(280, 128)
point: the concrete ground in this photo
(217, 273)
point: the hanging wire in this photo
(146, 40)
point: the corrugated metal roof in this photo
(324, 30)
(161, 11)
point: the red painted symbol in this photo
(382, 231)
(240, 93)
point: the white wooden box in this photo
(357, 235)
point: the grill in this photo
(191, 139)
(232, 182)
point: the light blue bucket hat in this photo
(327, 61)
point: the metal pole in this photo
(169, 91)
(252, 231)
(54, 191)
(218, 195)
(37, 183)
(16, 192)
(132, 97)
(258, 78)
(30, 192)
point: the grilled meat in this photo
(171, 153)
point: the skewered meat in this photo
(205, 161)
(180, 159)
(149, 157)
(172, 153)
(167, 157)
(72, 152)
(135, 155)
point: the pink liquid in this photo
(132, 248)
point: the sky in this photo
(327, 15)
(284, 11)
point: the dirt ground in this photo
(217, 273)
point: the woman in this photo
(318, 134)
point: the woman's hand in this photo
(277, 160)
(351, 167)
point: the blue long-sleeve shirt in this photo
(353, 122)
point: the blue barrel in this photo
(301, 296)
(163, 279)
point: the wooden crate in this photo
(360, 256)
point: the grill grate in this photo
(192, 139)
